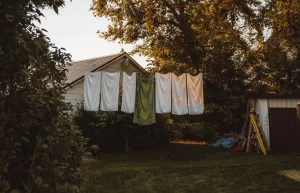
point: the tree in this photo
(278, 57)
(192, 36)
(177, 31)
(40, 151)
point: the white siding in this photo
(74, 94)
(283, 103)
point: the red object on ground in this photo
(235, 149)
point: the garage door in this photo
(284, 130)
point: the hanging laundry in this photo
(179, 98)
(128, 92)
(163, 83)
(110, 91)
(195, 94)
(91, 93)
(144, 111)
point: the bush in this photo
(40, 151)
(192, 132)
(115, 131)
(218, 118)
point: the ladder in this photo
(247, 127)
(259, 134)
(267, 145)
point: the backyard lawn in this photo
(180, 168)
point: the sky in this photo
(75, 29)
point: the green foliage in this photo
(218, 118)
(39, 149)
(191, 131)
(192, 37)
(113, 131)
(223, 39)
(277, 66)
(177, 34)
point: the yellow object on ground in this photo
(259, 139)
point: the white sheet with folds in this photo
(179, 98)
(110, 91)
(128, 92)
(195, 94)
(91, 93)
(163, 83)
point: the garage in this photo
(284, 130)
(279, 119)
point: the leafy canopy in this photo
(223, 39)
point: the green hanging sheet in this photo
(144, 111)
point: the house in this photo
(120, 62)
(279, 118)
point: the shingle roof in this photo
(77, 69)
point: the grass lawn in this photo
(180, 168)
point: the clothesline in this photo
(166, 93)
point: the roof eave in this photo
(96, 69)
(108, 63)
(137, 64)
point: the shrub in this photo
(40, 151)
(218, 118)
(115, 131)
